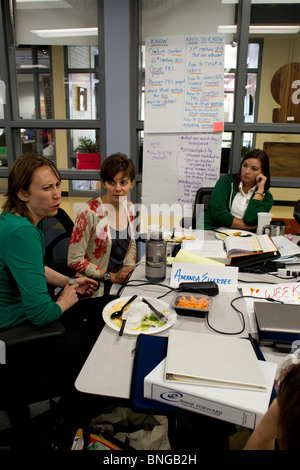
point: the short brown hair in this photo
(20, 177)
(116, 163)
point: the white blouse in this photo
(241, 201)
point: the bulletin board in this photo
(184, 117)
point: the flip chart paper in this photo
(175, 166)
(184, 83)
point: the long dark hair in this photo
(20, 177)
(263, 158)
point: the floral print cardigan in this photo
(90, 243)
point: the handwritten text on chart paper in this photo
(184, 84)
(177, 165)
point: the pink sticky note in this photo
(218, 126)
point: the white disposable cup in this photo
(264, 218)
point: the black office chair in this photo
(201, 202)
(57, 234)
(12, 398)
(296, 212)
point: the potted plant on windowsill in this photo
(88, 155)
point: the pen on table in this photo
(255, 347)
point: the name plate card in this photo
(225, 276)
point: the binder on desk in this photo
(195, 358)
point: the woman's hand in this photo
(86, 286)
(239, 224)
(260, 182)
(122, 275)
(125, 273)
(68, 297)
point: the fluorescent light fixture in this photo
(263, 1)
(263, 29)
(58, 33)
(36, 66)
(35, 1)
(42, 4)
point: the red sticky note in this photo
(218, 126)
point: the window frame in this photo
(11, 121)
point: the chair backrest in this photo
(57, 234)
(202, 200)
(296, 212)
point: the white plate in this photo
(232, 233)
(160, 305)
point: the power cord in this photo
(142, 282)
(240, 313)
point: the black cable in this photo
(144, 283)
(240, 313)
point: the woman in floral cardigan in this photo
(102, 244)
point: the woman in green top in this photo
(34, 192)
(237, 199)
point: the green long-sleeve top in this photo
(23, 286)
(218, 213)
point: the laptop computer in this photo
(278, 324)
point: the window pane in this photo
(283, 151)
(82, 57)
(2, 97)
(276, 25)
(3, 186)
(83, 95)
(53, 143)
(47, 90)
(3, 151)
(41, 141)
(23, 57)
(27, 108)
(225, 152)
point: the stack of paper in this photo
(289, 251)
(184, 256)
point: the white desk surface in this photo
(108, 369)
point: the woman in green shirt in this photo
(34, 193)
(237, 199)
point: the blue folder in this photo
(150, 351)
